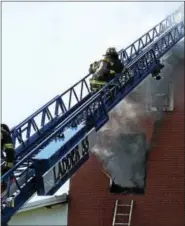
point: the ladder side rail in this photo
(141, 43)
(115, 212)
(130, 214)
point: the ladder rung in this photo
(121, 224)
(122, 214)
(124, 205)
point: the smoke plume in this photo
(122, 147)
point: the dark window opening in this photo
(117, 189)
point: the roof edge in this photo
(45, 202)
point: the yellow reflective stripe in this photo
(106, 60)
(9, 164)
(112, 72)
(5, 146)
(96, 82)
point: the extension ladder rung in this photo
(121, 224)
(122, 214)
(124, 205)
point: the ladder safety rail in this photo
(34, 128)
(93, 112)
(169, 39)
(134, 49)
(48, 116)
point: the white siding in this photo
(57, 215)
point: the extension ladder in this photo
(124, 215)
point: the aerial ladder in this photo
(53, 143)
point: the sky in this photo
(48, 46)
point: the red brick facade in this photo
(91, 203)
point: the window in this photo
(117, 189)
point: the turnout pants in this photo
(9, 159)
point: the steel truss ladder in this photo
(121, 210)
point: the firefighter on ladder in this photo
(7, 148)
(104, 70)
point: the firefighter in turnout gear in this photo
(104, 70)
(7, 148)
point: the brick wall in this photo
(91, 204)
